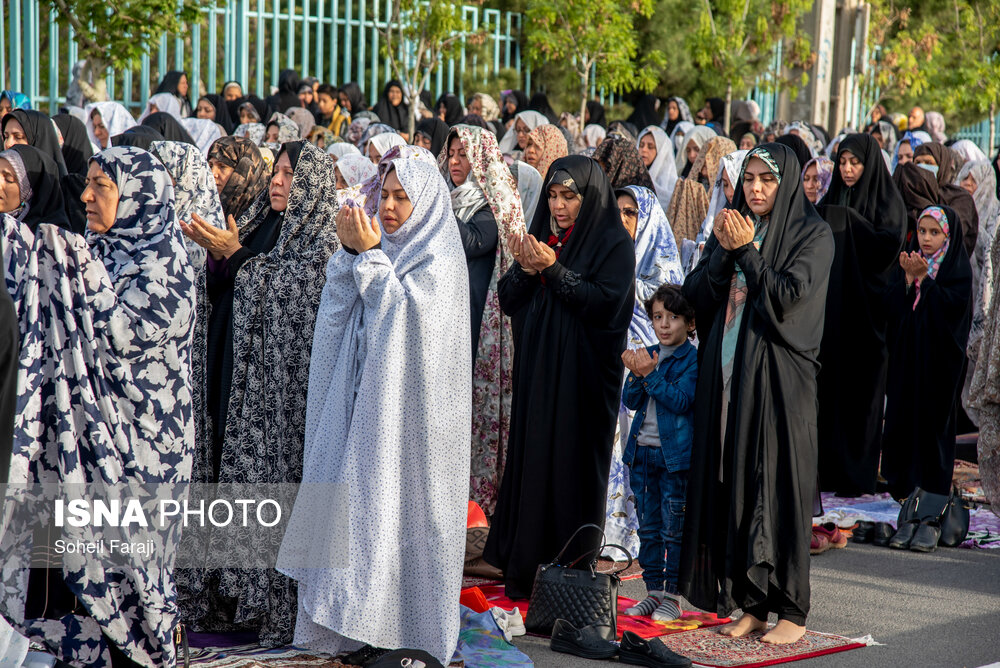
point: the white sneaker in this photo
(510, 623)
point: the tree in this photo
(591, 33)
(119, 33)
(417, 37)
(734, 41)
(943, 55)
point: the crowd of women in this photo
(293, 290)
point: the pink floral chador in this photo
(492, 370)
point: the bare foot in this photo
(784, 633)
(742, 626)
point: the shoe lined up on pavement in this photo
(590, 643)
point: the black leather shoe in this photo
(882, 533)
(588, 642)
(926, 537)
(652, 653)
(901, 539)
(864, 532)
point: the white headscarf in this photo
(593, 135)
(969, 151)
(384, 142)
(115, 117)
(530, 118)
(700, 134)
(376, 389)
(165, 102)
(203, 131)
(341, 149)
(663, 171)
(356, 169)
(529, 186)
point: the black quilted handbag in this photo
(581, 597)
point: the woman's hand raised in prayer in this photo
(640, 362)
(738, 230)
(220, 243)
(516, 242)
(535, 254)
(356, 230)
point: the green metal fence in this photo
(250, 41)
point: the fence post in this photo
(53, 62)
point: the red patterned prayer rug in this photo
(705, 647)
(643, 626)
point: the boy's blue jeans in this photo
(659, 499)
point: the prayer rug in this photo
(643, 626)
(705, 647)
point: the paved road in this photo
(937, 610)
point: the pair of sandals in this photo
(591, 642)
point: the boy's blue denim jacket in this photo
(671, 385)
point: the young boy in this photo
(660, 389)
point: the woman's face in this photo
(746, 143)
(629, 211)
(673, 111)
(373, 153)
(101, 200)
(692, 151)
(10, 191)
(13, 134)
(345, 102)
(532, 153)
(930, 236)
(564, 205)
(810, 183)
(5, 107)
(220, 173)
(281, 183)
(442, 111)
(306, 97)
(760, 187)
(271, 135)
(727, 187)
(341, 183)
(851, 168)
(421, 140)
(100, 130)
(905, 154)
(232, 92)
(395, 207)
(880, 139)
(205, 110)
(395, 95)
(182, 86)
(521, 129)
(969, 183)
(925, 159)
(458, 162)
(510, 104)
(647, 149)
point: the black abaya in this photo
(40, 133)
(395, 116)
(76, 148)
(139, 136)
(645, 113)
(437, 130)
(569, 333)
(750, 492)
(9, 344)
(46, 203)
(868, 222)
(926, 371)
(951, 195)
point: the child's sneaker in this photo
(646, 607)
(668, 610)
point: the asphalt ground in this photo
(935, 610)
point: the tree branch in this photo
(82, 33)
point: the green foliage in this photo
(733, 41)
(119, 32)
(944, 56)
(589, 32)
(418, 36)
